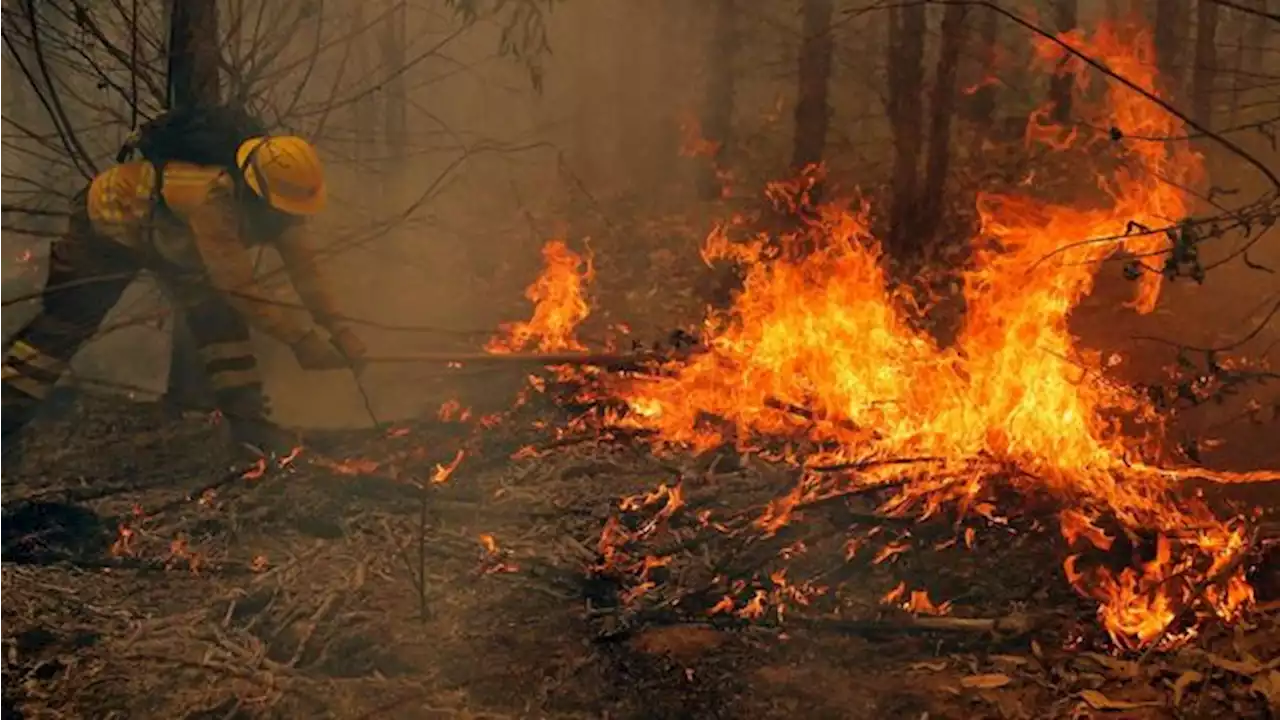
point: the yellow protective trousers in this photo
(87, 275)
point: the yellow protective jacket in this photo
(205, 230)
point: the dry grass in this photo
(303, 602)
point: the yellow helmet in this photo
(285, 171)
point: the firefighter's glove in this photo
(351, 347)
(316, 353)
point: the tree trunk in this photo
(194, 53)
(25, 257)
(1259, 28)
(673, 17)
(942, 110)
(22, 109)
(812, 110)
(1172, 23)
(627, 130)
(364, 110)
(194, 65)
(1206, 62)
(982, 102)
(57, 79)
(717, 110)
(1067, 14)
(906, 79)
(1240, 80)
(396, 107)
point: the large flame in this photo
(822, 352)
(827, 333)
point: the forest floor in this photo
(141, 581)
(145, 575)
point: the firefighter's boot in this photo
(260, 437)
(246, 412)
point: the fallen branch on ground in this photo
(1009, 626)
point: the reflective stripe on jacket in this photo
(205, 230)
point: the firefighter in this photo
(192, 226)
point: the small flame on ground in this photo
(442, 473)
(560, 305)
(917, 602)
(495, 558)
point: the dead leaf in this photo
(989, 681)
(1009, 660)
(1268, 686)
(1118, 668)
(1184, 681)
(1098, 701)
(1248, 669)
(1093, 680)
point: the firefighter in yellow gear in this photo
(192, 226)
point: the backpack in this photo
(203, 135)
(198, 135)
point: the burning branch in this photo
(820, 366)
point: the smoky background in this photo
(460, 135)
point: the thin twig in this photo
(1190, 608)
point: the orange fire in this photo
(821, 348)
(560, 304)
(917, 603)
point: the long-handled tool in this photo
(473, 358)
(518, 360)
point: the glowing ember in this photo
(819, 347)
(180, 552)
(350, 466)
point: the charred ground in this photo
(296, 594)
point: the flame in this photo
(442, 473)
(180, 552)
(826, 333)
(255, 471)
(122, 546)
(821, 346)
(453, 411)
(495, 558)
(917, 603)
(693, 143)
(560, 304)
